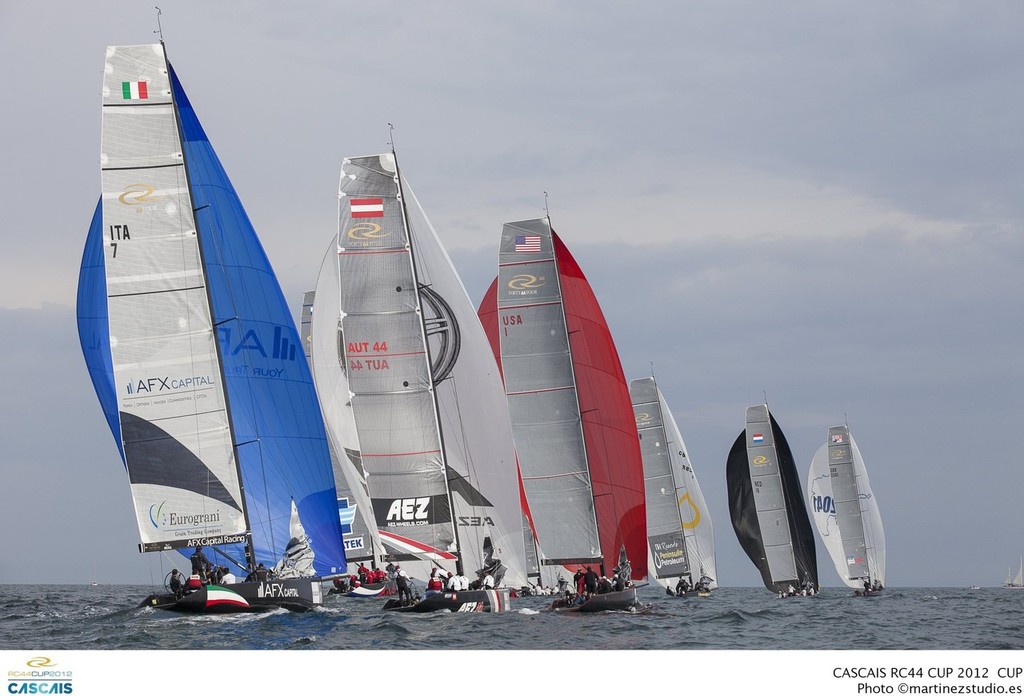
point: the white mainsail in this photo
(175, 429)
(845, 510)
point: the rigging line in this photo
(159, 29)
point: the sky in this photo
(816, 203)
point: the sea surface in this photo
(83, 640)
(105, 617)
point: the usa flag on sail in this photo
(134, 90)
(528, 243)
(366, 207)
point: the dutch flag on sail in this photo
(134, 90)
(758, 438)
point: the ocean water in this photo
(105, 617)
(852, 631)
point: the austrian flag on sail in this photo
(367, 207)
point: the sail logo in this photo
(643, 417)
(525, 284)
(684, 503)
(137, 195)
(407, 510)
(38, 680)
(283, 346)
(346, 514)
(366, 232)
(760, 460)
(151, 385)
(823, 504)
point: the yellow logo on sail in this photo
(686, 500)
(366, 230)
(138, 194)
(525, 281)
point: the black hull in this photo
(611, 601)
(294, 594)
(867, 593)
(461, 601)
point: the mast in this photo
(250, 550)
(459, 566)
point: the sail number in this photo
(118, 233)
(367, 348)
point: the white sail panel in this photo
(540, 385)
(174, 423)
(322, 341)
(693, 510)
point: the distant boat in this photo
(1017, 582)
(397, 350)
(845, 511)
(680, 538)
(193, 354)
(575, 435)
(767, 508)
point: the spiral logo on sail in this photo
(361, 231)
(138, 194)
(525, 281)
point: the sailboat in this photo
(680, 538)
(576, 441)
(362, 543)
(1016, 582)
(194, 356)
(845, 512)
(767, 508)
(397, 348)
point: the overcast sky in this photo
(820, 202)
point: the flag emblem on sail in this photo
(367, 207)
(134, 90)
(528, 243)
(758, 438)
(837, 439)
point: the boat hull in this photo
(373, 589)
(461, 601)
(293, 594)
(625, 600)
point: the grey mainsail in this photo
(680, 534)
(425, 392)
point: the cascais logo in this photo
(525, 281)
(366, 230)
(138, 194)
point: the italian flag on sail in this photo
(134, 90)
